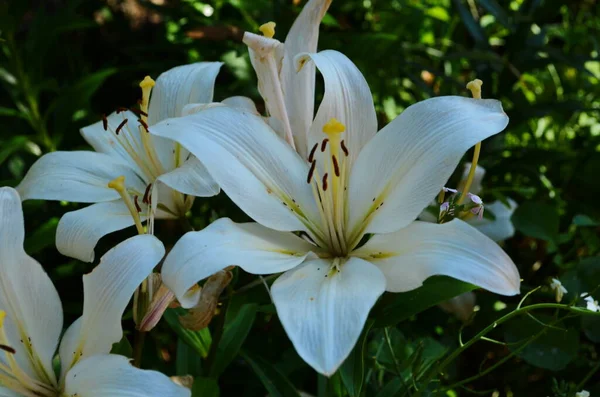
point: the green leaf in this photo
(276, 383)
(352, 370)
(392, 388)
(187, 361)
(15, 144)
(591, 327)
(123, 348)
(234, 335)
(205, 387)
(43, 237)
(537, 220)
(471, 24)
(496, 10)
(198, 340)
(553, 350)
(584, 220)
(394, 308)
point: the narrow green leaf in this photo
(234, 335)
(187, 361)
(352, 370)
(43, 237)
(537, 220)
(394, 308)
(471, 24)
(497, 11)
(205, 387)
(276, 383)
(198, 340)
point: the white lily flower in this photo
(350, 183)
(582, 393)
(558, 288)
(31, 320)
(124, 148)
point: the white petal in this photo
(500, 228)
(253, 247)
(110, 375)
(477, 178)
(409, 161)
(33, 309)
(299, 87)
(107, 291)
(324, 312)
(79, 231)
(347, 98)
(420, 250)
(191, 178)
(8, 393)
(80, 177)
(180, 86)
(256, 169)
(242, 103)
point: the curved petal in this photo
(4, 392)
(242, 103)
(110, 375)
(409, 161)
(347, 98)
(80, 177)
(258, 171)
(107, 291)
(252, 247)
(79, 231)
(191, 178)
(299, 86)
(33, 309)
(420, 250)
(324, 311)
(177, 87)
(498, 229)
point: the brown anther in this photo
(336, 167)
(311, 156)
(324, 144)
(8, 349)
(144, 124)
(121, 126)
(104, 122)
(139, 112)
(121, 109)
(311, 171)
(137, 205)
(146, 198)
(344, 148)
(325, 182)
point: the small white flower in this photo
(583, 393)
(591, 303)
(449, 190)
(557, 286)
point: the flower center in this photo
(329, 190)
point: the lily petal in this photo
(299, 86)
(107, 291)
(110, 375)
(33, 309)
(347, 98)
(262, 174)
(324, 311)
(80, 177)
(79, 231)
(411, 255)
(241, 102)
(408, 162)
(254, 248)
(500, 228)
(191, 178)
(180, 86)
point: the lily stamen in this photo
(118, 184)
(475, 88)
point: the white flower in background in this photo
(582, 393)
(498, 229)
(591, 304)
(462, 306)
(31, 320)
(126, 153)
(344, 183)
(558, 288)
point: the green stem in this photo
(138, 348)
(490, 327)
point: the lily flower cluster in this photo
(334, 202)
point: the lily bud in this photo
(201, 315)
(150, 302)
